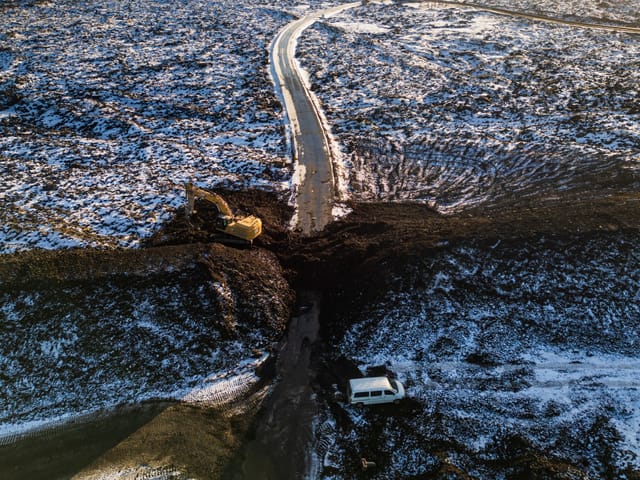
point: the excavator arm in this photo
(194, 192)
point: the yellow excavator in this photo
(243, 229)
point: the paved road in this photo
(311, 145)
(528, 16)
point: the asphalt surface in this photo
(311, 148)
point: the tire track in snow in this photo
(312, 148)
(232, 393)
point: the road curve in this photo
(312, 153)
(311, 148)
(527, 16)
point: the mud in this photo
(57, 453)
(272, 209)
(371, 233)
(377, 235)
(182, 441)
(278, 446)
(362, 248)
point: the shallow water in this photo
(280, 447)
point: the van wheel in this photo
(359, 405)
(396, 401)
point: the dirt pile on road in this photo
(271, 208)
(376, 234)
(253, 288)
(360, 244)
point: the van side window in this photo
(361, 395)
(376, 394)
(389, 392)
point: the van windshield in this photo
(394, 385)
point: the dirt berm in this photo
(356, 246)
(375, 235)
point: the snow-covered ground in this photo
(77, 348)
(459, 107)
(620, 12)
(107, 108)
(505, 346)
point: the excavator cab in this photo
(223, 221)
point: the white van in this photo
(374, 390)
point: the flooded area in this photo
(279, 446)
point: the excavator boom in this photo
(194, 192)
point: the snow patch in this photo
(537, 340)
(360, 27)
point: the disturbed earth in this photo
(519, 354)
(456, 107)
(524, 359)
(505, 295)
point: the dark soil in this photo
(358, 245)
(375, 235)
(361, 248)
(270, 208)
(193, 438)
(41, 456)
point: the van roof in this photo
(369, 383)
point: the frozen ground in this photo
(107, 108)
(504, 349)
(457, 107)
(620, 12)
(74, 348)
